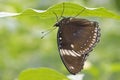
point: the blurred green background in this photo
(22, 48)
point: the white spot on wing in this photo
(74, 34)
(60, 38)
(83, 51)
(93, 40)
(71, 67)
(72, 46)
(90, 37)
(80, 51)
(69, 52)
(61, 51)
(92, 31)
(94, 36)
(87, 41)
(59, 46)
(60, 32)
(90, 45)
(76, 53)
(95, 30)
(66, 52)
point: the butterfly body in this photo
(76, 38)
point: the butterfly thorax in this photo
(66, 21)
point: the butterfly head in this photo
(63, 21)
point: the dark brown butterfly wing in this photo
(76, 38)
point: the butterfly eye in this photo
(57, 24)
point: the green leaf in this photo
(115, 67)
(41, 74)
(70, 9)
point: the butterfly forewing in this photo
(76, 38)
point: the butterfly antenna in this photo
(46, 32)
(56, 16)
(62, 11)
(80, 12)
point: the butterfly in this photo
(76, 37)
